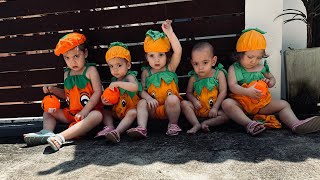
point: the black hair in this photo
(203, 45)
(238, 55)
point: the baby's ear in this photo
(85, 53)
(128, 65)
(214, 60)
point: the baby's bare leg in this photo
(107, 118)
(126, 122)
(285, 112)
(222, 118)
(234, 111)
(142, 113)
(172, 107)
(188, 111)
(93, 119)
(50, 119)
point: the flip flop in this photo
(113, 136)
(38, 138)
(251, 127)
(309, 125)
(57, 138)
(137, 133)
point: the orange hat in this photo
(68, 42)
(251, 39)
(119, 50)
(156, 42)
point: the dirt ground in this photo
(225, 153)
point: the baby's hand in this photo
(213, 112)
(269, 82)
(152, 103)
(197, 104)
(81, 115)
(47, 89)
(166, 26)
(113, 85)
(105, 101)
(253, 92)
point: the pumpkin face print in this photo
(78, 98)
(165, 90)
(207, 100)
(124, 104)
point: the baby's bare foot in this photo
(205, 127)
(194, 129)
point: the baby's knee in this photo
(284, 104)
(172, 100)
(184, 104)
(142, 103)
(96, 115)
(132, 113)
(227, 104)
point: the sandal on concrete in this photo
(33, 139)
(104, 131)
(252, 126)
(173, 130)
(309, 125)
(113, 136)
(137, 133)
(57, 138)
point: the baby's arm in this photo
(54, 90)
(237, 89)
(131, 85)
(152, 103)
(269, 79)
(93, 75)
(175, 44)
(144, 94)
(222, 90)
(196, 103)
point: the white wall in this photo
(294, 35)
(261, 14)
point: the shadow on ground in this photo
(228, 142)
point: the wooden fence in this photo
(30, 29)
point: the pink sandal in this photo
(138, 132)
(173, 130)
(309, 125)
(251, 128)
(104, 131)
(113, 136)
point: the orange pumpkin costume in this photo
(206, 90)
(252, 106)
(128, 100)
(78, 90)
(253, 39)
(159, 86)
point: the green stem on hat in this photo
(155, 34)
(256, 29)
(118, 44)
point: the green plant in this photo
(312, 12)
